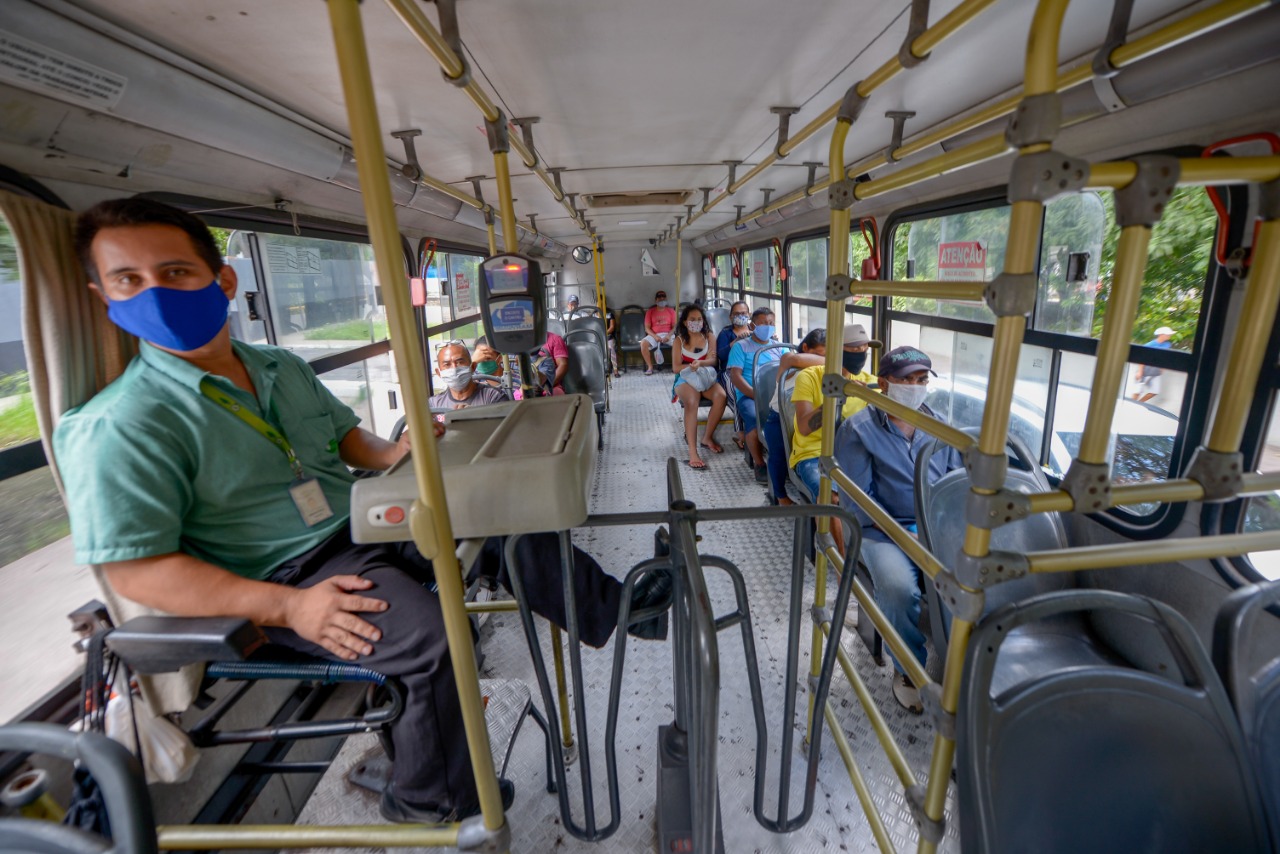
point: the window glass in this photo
(1143, 430)
(757, 271)
(1177, 267)
(708, 283)
(859, 251)
(17, 410)
(367, 387)
(722, 270)
(807, 268)
(1263, 512)
(962, 247)
(238, 254)
(805, 318)
(464, 278)
(1071, 261)
(323, 294)
(434, 273)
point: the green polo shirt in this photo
(152, 466)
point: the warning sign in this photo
(757, 274)
(33, 66)
(964, 261)
(463, 294)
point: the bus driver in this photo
(211, 479)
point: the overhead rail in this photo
(1163, 38)
(915, 49)
(1215, 473)
(447, 52)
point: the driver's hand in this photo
(325, 614)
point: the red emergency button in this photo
(394, 515)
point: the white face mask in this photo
(909, 395)
(662, 303)
(694, 325)
(741, 320)
(456, 378)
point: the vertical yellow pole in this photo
(429, 517)
(562, 689)
(1041, 72)
(492, 234)
(1250, 343)
(837, 263)
(1113, 347)
(510, 237)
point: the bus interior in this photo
(1071, 206)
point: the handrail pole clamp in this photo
(840, 195)
(473, 836)
(678, 220)
(526, 133)
(964, 601)
(979, 573)
(555, 176)
(1046, 175)
(411, 169)
(1089, 485)
(839, 286)
(1142, 200)
(931, 830)
(768, 191)
(738, 215)
(944, 722)
(448, 10)
(706, 197)
(1219, 473)
(1117, 32)
(533, 222)
(916, 26)
(1011, 294)
(820, 614)
(499, 134)
(899, 118)
(784, 115)
(689, 211)
(992, 509)
(851, 105)
(986, 471)
(1036, 121)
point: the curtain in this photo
(73, 351)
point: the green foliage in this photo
(222, 236)
(17, 410)
(1177, 264)
(8, 254)
(349, 330)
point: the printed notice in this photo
(293, 259)
(963, 261)
(463, 295)
(512, 316)
(33, 66)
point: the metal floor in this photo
(641, 432)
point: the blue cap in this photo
(903, 362)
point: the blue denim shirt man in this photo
(878, 452)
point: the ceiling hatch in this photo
(636, 198)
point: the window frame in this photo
(745, 294)
(1198, 365)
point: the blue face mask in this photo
(173, 319)
(763, 333)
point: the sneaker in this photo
(906, 694)
(402, 812)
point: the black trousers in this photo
(432, 764)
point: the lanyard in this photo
(271, 434)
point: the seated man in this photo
(571, 305)
(741, 368)
(211, 479)
(659, 326)
(486, 361)
(453, 365)
(878, 452)
(551, 363)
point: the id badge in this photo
(309, 498)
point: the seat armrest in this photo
(159, 644)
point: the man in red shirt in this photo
(659, 323)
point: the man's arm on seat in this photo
(324, 614)
(735, 377)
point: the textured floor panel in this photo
(642, 430)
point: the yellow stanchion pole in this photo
(429, 516)
(502, 169)
(562, 689)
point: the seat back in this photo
(589, 321)
(584, 311)
(764, 381)
(941, 520)
(717, 319)
(630, 328)
(787, 412)
(586, 374)
(556, 325)
(1248, 660)
(1104, 757)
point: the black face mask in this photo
(854, 362)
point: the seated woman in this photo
(696, 380)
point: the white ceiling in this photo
(631, 95)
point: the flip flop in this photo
(739, 442)
(649, 373)
(690, 464)
(715, 448)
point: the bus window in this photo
(708, 283)
(959, 247)
(1071, 263)
(722, 271)
(1263, 512)
(35, 547)
(238, 254)
(807, 268)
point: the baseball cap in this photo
(856, 333)
(903, 361)
(661, 295)
(1165, 330)
(573, 298)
